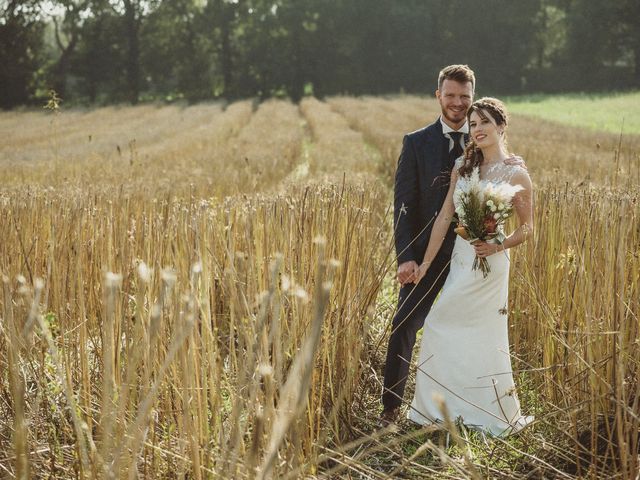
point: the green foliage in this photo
(126, 50)
(21, 32)
(181, 58)
(51, 320)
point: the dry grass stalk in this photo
(187, 370)
(131, 345)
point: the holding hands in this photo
(407, 272)
(422, 271)
(411, 272)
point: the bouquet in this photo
(483, 207)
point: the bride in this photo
(464, 356)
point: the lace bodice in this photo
(496, 173)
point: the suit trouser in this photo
(414, 303)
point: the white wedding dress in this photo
(464, 356)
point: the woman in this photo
(464, 356)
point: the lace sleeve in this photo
(518, 172)
(458, 163)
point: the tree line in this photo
(103, 51)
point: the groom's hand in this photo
(407, 272)
(516, 160)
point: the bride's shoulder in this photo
(519, 175)
(516, 166)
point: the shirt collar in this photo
(447, 129)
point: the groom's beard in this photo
(459, 118)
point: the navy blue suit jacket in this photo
(421, 185)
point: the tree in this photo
(115, 50)
(67, 34)
(100, 56)
(627, 28)
(495, 37)
(131, 15)
(132, 22)
(601, 44)
(21, 41)
(178, 50)
(223, 18)
(298, 18)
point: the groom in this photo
(421, 185)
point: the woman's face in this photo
(484, 131)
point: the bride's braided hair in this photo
(495, 108)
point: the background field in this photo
(217, 283)
(615, 113)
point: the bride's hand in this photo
(421, 271)
(484, 249)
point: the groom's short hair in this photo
(459, 73)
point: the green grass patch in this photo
(610, 112)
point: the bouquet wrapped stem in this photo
(483, 265)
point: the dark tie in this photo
(456, 151)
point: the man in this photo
(421, 185)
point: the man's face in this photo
(455, 98)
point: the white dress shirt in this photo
(446, 129)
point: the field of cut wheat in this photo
(205, 292)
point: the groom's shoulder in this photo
(426, 133)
